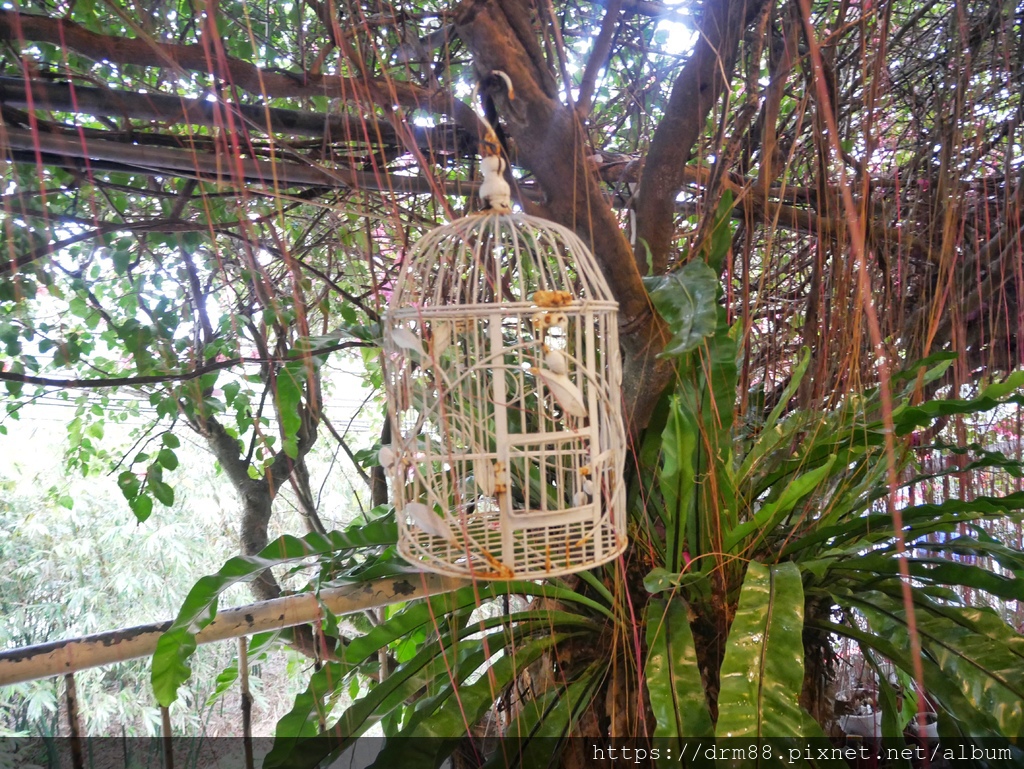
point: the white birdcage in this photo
(503, 380)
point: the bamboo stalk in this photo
(74, 721)
(68, 656)
(243, 675)
(166, 737)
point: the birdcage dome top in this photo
(503, 258)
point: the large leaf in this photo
(455, 649)
(975, 651)
(856, 428)
(940, 516)
(463, 702)
(892, 725)
(688, 301)
(535, 737)
(935, 570)
(175, 647)
(677, 481)
(795, 379)
(311, 705)
(673, 678)
(892, 642)
(440, 719)
(773, 512)
(763, 670)
(289, 385)
(425, 612)
(707, 395)
(297, 742)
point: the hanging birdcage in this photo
(503, 380)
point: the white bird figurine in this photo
(440, 338)
(429, 521)
(404, 338)
(483, 474)
(566, 393)
(494, 190)
(555, 361)
(387, 457)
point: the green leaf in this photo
(1008, 386)
(673, 678)
(891, 641)
(717, 246)
(677, 480)
(225, 679)
(425, 613)
(774, 512)
(142, 507)
(791, 388)
(231, 392)
(167, 458)
(691, 583)
(688, 301)
(289, 382)
(537, 735)
(941, 516)
(975, 652)
(892, 728)
(430, 739)
(129, 484)
(163, 492)
(310, 706)
(170, 669)
(763, 669)
(292, 744)
(178, 643)
(938, 571)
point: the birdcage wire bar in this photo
(503, 379)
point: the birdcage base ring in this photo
(536, 552)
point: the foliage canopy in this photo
(808, 211)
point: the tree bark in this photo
(550, 142)
(703, 80)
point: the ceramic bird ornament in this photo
(429, 521)
(494, 191)
(565, 392)
(555, 362)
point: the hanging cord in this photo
(494, 192)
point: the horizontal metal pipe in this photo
(60, 657)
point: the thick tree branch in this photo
(107, 102)
(64, 150)
(20, 28)
(703, 80)
(598, 57)
(550, 143)
(184, 376)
